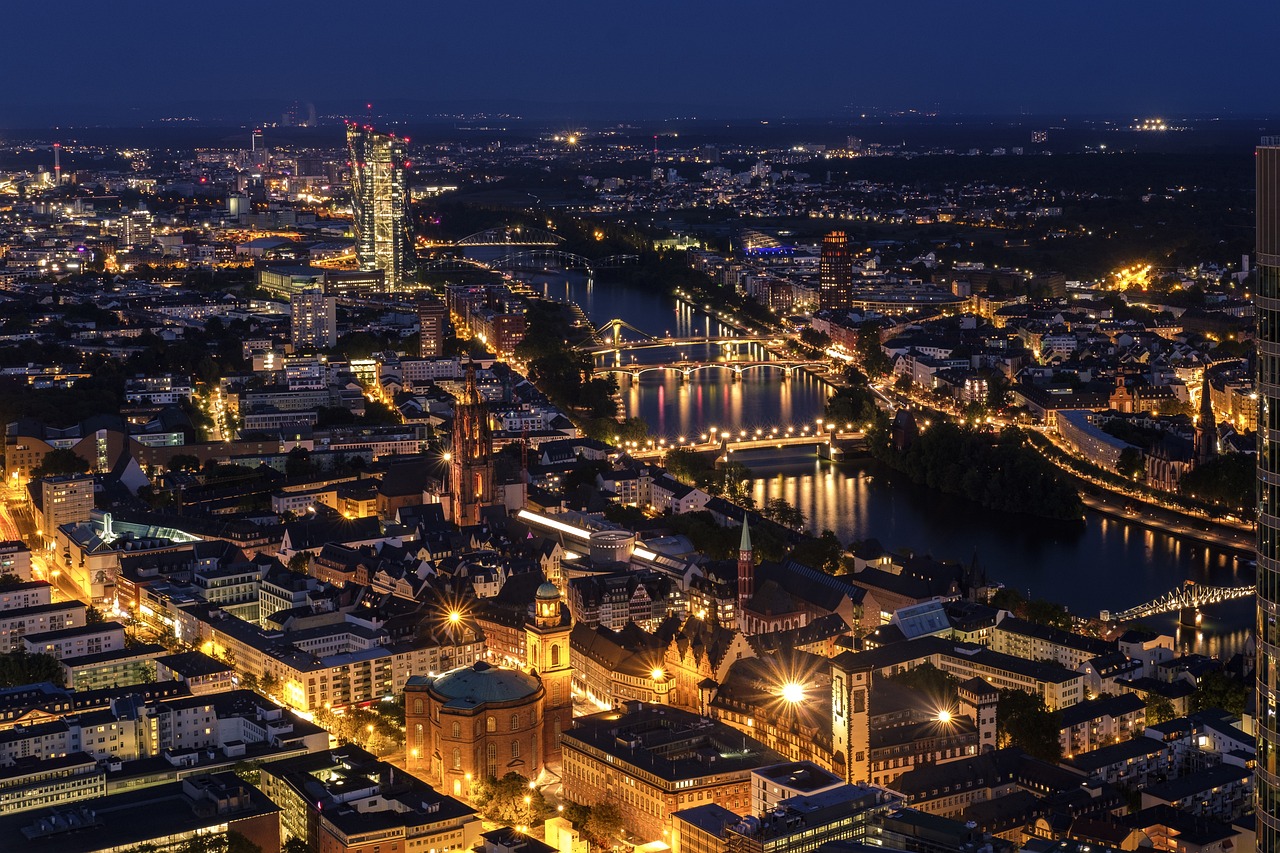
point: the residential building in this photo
(314, 320)
(433, 318)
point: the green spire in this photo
(745, 545)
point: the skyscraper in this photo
(315, 321)
(835, 273)
(380, 202)
(1267, 774)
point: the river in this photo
(1103, 564)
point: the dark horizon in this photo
(577, 61)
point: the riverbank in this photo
(1170, 523)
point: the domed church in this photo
(482, 721)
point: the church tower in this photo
(547, 655)
(746, 575)
(471, 456)
(1206, 429)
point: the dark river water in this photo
(1102, 564)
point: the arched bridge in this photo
(650, 342)
(514, 235)
(453, 264)
(539, 259)
(1190, 595)
(687, 368)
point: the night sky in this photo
(130, 60)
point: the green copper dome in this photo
(471, 686)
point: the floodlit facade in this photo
(380, 202)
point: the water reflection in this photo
(1103, 564)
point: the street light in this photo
(792, 692)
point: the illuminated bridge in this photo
(688, 368)
(512, 236)
(653, 343)
(1189, 596)
(746, 440)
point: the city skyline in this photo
(673, 60)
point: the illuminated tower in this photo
(57, 163)
(380, 202)
(850, 717)
(1206, 429)
(835, 272)
(471, 456)
(746, 575)
(547, 654)
(1267, 774)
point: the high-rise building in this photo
(835, 273)
(1267, 781)
(315, 319)
(380, 202)
(432, 317)
(65, 500)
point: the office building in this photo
(654, 760)
(347, 801)
(315, 320)
(432, 318)
(380, 202)
(1268, 314)
(65, 500)
(835, 272)
(202, 809)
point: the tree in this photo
(295, 845)
(58, 462)
(811, 337)
(299, 563)
(22, 667)
(870, 353)
(1159, 709)
(92, 615)
(937, 686)
(852, 404)
(1022, 720)
(604, 824)
(9, 580)
(689, 466)
(1217, 690)
(511, 801)
(1130, 463)
(822, 552)
(269, 683)
(298, 463)
(781, 511)
(184, 462)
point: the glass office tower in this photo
(1267, 305)
(380, 202)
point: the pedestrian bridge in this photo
(1190, 595)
